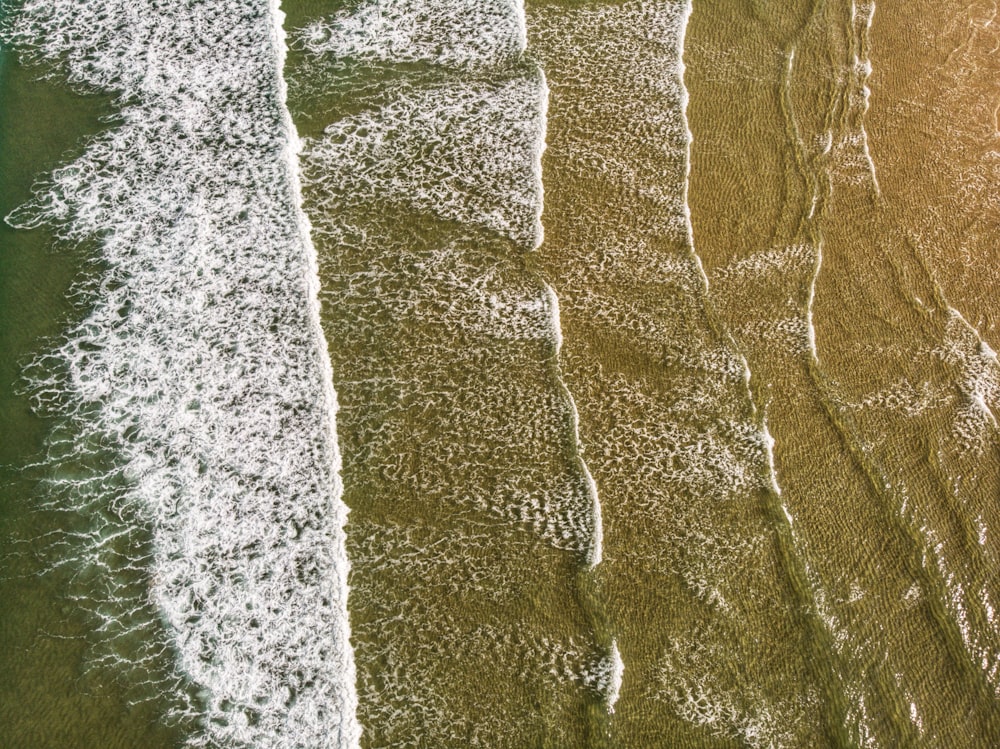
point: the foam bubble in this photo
(789, 334)
(810, 304)
(443, 634)
(201, 363)
(768, 263)
(903, 397)
(605, 675)
(643, 155)
(769, 443)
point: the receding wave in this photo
(467, 151)
(200, 365)
(425, 194)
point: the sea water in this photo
(649, 343)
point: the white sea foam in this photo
(617, 675)
(201, 361)
(763, 265)
(719, 460)
(688, 140)
(903, 397)
(861, 723)
(642, 155)
(978, 379)
(972, 393)
(468, 152)
(789, 334)
(916, 719)
(601, 672)
(972, 614)
(771, 468)
(861, 18)
(810, 327)
(849, 149)
(433, 641)
(453, 33)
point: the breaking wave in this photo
(200, 364)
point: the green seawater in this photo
(51, 693)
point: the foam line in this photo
(536, 161)
(863, 70)
(772, 470)
(596, 552)
(810, 328)
(348, 732)
(688, 141)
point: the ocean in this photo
(498, 373)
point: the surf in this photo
(199, 368)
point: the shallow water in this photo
(661, 384)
